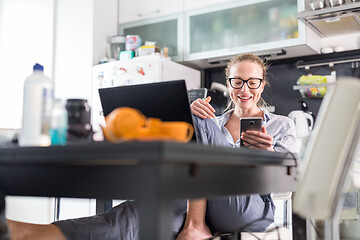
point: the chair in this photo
(328, 157)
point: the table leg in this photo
(103, 205)
(155, 206)
(4, 233)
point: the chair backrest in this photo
(330, 152)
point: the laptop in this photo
(167, 101)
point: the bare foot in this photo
(29, 231)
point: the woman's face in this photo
(245, 98)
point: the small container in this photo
(58, 125)
(317, 4)
(146, 50)
(334, 3)
(132, 42)
(117, 45)
(125, 55)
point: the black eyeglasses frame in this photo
(245, 81)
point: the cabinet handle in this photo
(144, 14)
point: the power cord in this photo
(293, 157)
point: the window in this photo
(25, 38)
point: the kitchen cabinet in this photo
(196, 4)
(218, 30)
(203, 33)
(244, 26)
(130, 11)
(166, 31)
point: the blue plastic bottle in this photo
(59, 123)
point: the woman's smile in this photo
(245, 98)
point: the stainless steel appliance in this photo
(317, 4)
(335, 18)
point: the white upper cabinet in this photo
(244, 26)
(135, 10)
(214, 30)
(196, 4)
(166, 31)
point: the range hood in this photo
(333, 21)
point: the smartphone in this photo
(250, 123)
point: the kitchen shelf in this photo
(313, 90)
(302, 64)
(306, 86)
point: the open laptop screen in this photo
(165, 100)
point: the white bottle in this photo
(38, 98)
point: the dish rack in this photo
(316, 90)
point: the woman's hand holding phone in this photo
(254, 139)
(258, 139)
(202, 108)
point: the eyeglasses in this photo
(252, 83)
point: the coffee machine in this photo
(219, 96)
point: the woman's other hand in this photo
(194, 233)
(202, 108)
(258, 140)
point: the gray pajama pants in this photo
(223, 215)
